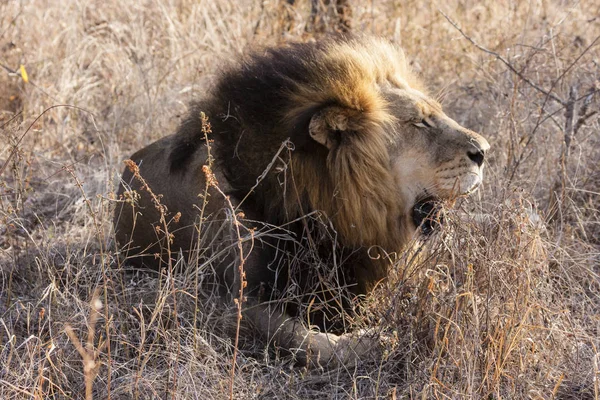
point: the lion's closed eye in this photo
(423, 123)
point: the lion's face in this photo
(392, 153)
(432, 157)
(416, 151)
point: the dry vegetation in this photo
(505, 304)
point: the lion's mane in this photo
(270, 97)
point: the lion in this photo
(324, 153)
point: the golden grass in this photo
(506, 304)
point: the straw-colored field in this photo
(503, 303)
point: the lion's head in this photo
(428, 155)
(434, 157)
(372, 149)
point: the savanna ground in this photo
(504, 304)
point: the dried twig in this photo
(89, 354)
(103, 264)
(212, 181)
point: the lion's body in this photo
(334, 142)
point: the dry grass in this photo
(506, 304)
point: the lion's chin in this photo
(470, 183)
(425, 214)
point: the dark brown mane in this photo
(271, 96)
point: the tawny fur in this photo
(367, 144)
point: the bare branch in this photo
(582, 120)
(583, 112)
(504, 61)
(570, 115)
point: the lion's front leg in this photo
(309, 347)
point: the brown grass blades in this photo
(165, 231)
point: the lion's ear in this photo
(326, 125)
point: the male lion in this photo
(335, 154)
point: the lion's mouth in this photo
(426, 214)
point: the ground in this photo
(503, 302)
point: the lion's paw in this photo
(327, 350)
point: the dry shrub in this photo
(482, 313)
(503, 302)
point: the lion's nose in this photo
(477, 156)
(477, 147)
